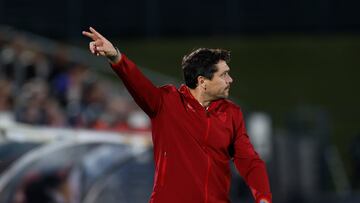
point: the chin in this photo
(225, 96)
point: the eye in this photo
(224, 74)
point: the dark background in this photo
(161, 18)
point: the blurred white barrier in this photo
(55, 139)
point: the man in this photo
(196, 131)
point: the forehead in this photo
(222, 67)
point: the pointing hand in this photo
(100, 46)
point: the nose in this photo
(230, 80)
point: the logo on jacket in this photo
(222, 116)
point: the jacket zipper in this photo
(163, 169)
(208, 160)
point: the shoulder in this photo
(170, 94)
(231, 105)
(168, 88)
(234, 109)
(236, 113)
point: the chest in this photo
(213, 129)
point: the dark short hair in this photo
(202, 62)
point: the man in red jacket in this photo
(196, 131)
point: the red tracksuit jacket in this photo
(193, 145)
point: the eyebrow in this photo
(226, 71)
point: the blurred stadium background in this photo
(69, 131)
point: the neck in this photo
(199, 95)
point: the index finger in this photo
(90, 35)
(96, 33)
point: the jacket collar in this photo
(184, 90)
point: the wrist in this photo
(114, 58)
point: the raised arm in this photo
(249, 164)
(145, 94)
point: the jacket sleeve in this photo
(249, 164)
(145, 94)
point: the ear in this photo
(201, 81)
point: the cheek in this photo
(222, 84)
(217, 85)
